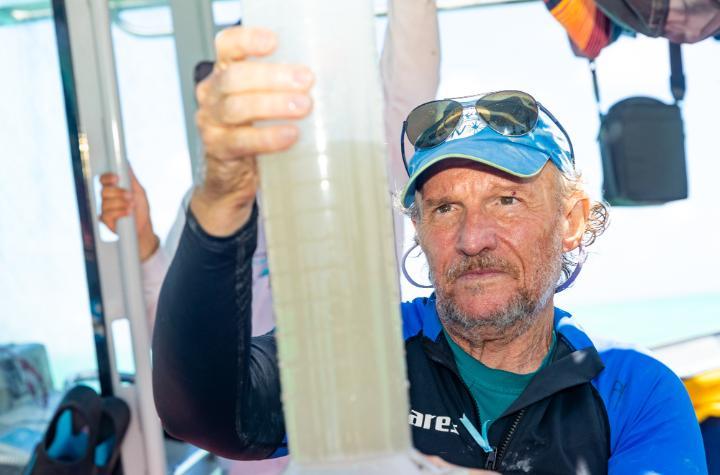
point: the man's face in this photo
(493, 242)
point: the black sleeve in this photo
(215, 386)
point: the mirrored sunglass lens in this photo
(430, 124)
(508, 112)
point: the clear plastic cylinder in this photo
(328, 220)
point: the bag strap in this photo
(596, 89)
(677, 77)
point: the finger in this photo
(437, 461)
(133, 178)
(110, 219)
(243, 108)
(108, 179)
(115, 193)
(236, 43)
(202, 90)
(234, 142)
(137, 188)
(117, 206)
(246, 76)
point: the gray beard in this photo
(515, 318)
(511, 321)
(519, 313)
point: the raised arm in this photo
(410, 69)
(118, 202)
(215, 386)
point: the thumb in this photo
(137, 188)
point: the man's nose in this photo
(478, 233)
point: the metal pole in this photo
(83, 195)
(101, 143)
(194, 30)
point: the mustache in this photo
(479, 262)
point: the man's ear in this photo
(416, 216)
(416, 225)
(575, 221)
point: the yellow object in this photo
(704, 390)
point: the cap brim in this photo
(503, 154)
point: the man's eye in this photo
(446, 208)
(508, 200)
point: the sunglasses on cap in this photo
(509, 113)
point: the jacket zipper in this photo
(469, 393)
(477, 417)
(475, 404)
(496, 455)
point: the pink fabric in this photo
(690, 21)
(154, 269)
(263, 315)
(410, 72)
(259, 467)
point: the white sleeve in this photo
(173, 236)
(156, 266)
(410, 71)
(153, 273)
(263, 316)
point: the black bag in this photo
(642, 145)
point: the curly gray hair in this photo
(598, 221)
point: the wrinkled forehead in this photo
(488, 174)
(458, 175)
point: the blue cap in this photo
(522, 156)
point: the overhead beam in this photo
(38, 10)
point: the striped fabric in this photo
(590, 30)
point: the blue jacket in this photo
(596, 408)
(593, 408)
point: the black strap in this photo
(677, 77)
(596, 88)
(402, 146)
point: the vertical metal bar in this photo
(194, 30)
(89, 72)
(78, 155)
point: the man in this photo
(499, 378)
